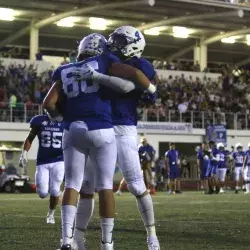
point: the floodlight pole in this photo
(34, 42)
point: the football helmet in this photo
(127, 41)
(220, 145)
(93, 45)
(238, 146)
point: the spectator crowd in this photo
(21, 85)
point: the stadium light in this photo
(7, 14)
(98, 23)
(154, 31)
(180, 32)
(67, 22)
(248, 39)
(228, 40)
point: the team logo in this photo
(44, 123)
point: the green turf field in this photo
(189, 221)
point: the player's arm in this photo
(245, 162)
(51, 100)
(115, 83)
(132, 74)
(27, 145)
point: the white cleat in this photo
(108, 246)
(153, 243)
(119, 193)
(50, 219)
(222, 191)
(247, 192)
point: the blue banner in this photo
(217, 133)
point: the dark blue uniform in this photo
(238, 158)
(50, 139)
(173, 157)
(124, 108)
(204, 164)
(86, 100)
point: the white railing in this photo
(19, 113)
(199, 119)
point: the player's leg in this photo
(178, 181)
(237, 178)
(55, 180)
(129, 163)
(104, 154)
(145, 174)
(74, 159)
(208, 176)
(247, 180)
(121, 185)
(85, 207)
(216, 183)
(42, 180)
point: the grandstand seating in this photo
(193, 97)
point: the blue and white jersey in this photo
(222, 163)
(247, 154)
(173, 157)
(204, 161)
(124, 109)
(50, 139)
(86, 100)
(147, 149)
(215, 154)
(238, 158)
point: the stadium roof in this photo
(209, 20)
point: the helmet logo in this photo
(137, 35)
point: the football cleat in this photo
(247, 192)
(108, 246)
(236, 191)
(66, 247)
(118, 193)
(153, 243)
(50, 219)
(222, 191)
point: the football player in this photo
(246, 170)
(128, 44)
(238, 157)
(203, 162)
(49, 165)
(172, 163)
(89, 132)
(222, 167)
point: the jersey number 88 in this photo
(72, 87)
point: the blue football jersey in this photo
(223, 159)
(173, 156)
(248, 157)
(238, 158)
(215, 153)
(204, 162)
(85, 100)
(50, 139)
(124, 108)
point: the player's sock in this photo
(68, 216)
(146, 209)
(237, 188)
(51, 212)
(84, 212)
(247, 187)
(107, 225)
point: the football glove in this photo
(86, 72)
(147, 97)
(23, 159)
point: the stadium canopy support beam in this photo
(200, 54)
(34, 42)
(182, 19)
(209, 41)
(60, 16)
(243, 62)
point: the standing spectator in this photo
(146, 154)
(185, 167)
(39, 56)
(13, 103)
